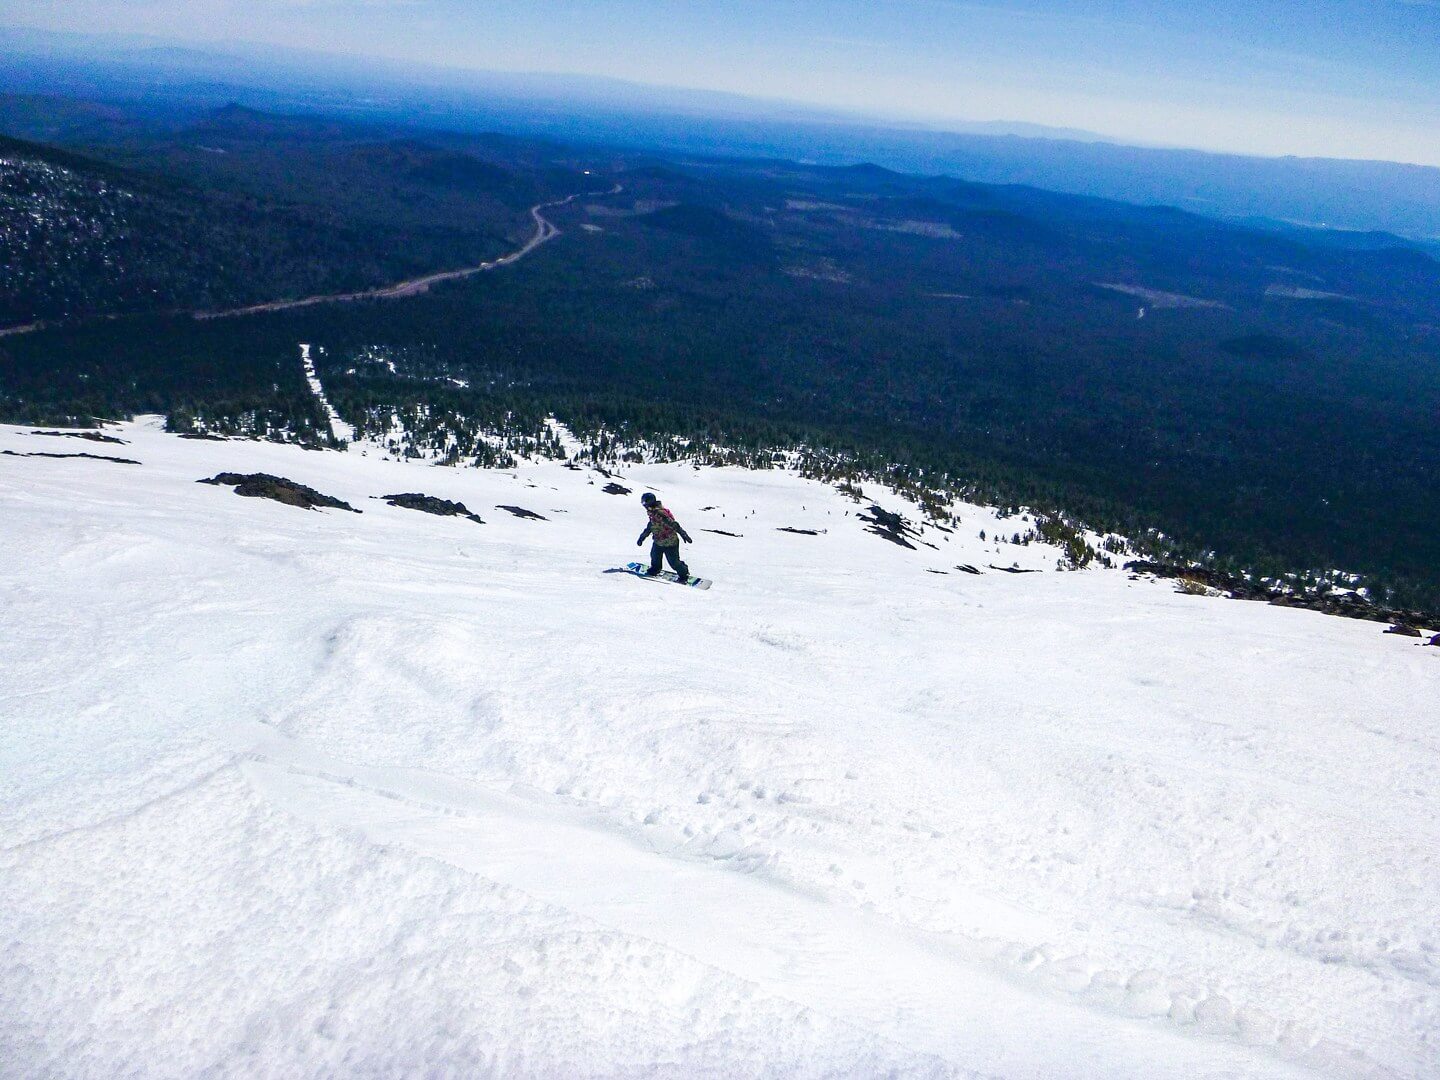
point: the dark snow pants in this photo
(670, 552)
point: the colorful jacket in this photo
(663, 529)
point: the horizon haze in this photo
(1266, 79)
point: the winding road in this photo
(544, 232)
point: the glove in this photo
(640, 542)
(686, 537)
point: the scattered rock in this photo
(92, 457)
(90, 436)
(521, 512)
(892, 527)
(704, 508)
(1404, 630)
(942, 572)
(429, 504)
(968, 569)
(798, 532)
(265, 486)
(722, 532)
(613, 488)
(203, 435)
(1012, 569)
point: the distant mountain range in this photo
(1363, 196)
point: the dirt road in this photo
(544, 232)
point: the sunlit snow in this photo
(296, 793)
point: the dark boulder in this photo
(613, 488)
(429, 504)
(88, 436)
(891, 526)
(521, 512)
(1404, 630)
(265, 486)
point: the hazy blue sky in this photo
(1358, 78)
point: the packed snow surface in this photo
(291, 793)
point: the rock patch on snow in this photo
(429, 504)
(266, 486)
(92, 457)
(1404, 630)
(521, 512)
(89, 436)
(891, 526)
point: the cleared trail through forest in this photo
(544, 232)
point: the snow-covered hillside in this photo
(293, 793)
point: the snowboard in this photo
(638, 569)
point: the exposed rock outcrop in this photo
(278, 488)
(429, 504)
(88, 436)
(891, 526)
(92, 457)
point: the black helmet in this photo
(649, 498)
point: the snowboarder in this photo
(665, 535)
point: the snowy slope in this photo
(292, 793)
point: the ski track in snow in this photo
(297, 794)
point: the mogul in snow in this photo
(665, 535)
